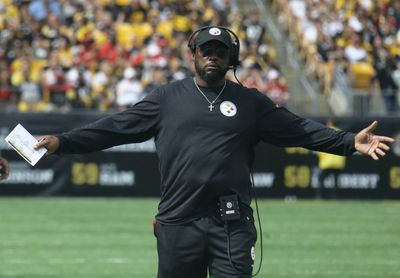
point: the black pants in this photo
(190, 250)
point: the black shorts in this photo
(191, 250)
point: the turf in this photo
(81, 237)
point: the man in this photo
(4, 170)
(205, 129)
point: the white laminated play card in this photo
(22, 142)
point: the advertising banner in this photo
(132, 170)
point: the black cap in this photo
(214, 33)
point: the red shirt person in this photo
(276, 90)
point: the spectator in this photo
(100, 77)
(63, 51)
(396, 79)
(68, 11)
(41, 48)
(8, 95)
(177, 71)
(88, 50)
(30, 94)
(354, 52)
(275, 89)
(56, 85)
(76, 72)
(254, 29)
(157, 78)
(110, 51)
(384, 65)
(325, 73)
(81, 96)
(252, 77)
(41, 9)
(128, 89)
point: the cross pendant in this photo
(211, 107)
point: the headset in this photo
(233, 49)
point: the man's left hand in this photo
(370, 144)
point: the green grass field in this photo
(79, 237)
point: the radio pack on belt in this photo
(229, 207)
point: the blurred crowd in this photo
(359, 38)
(108, 54)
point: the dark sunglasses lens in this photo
(208, 51)
(221, 52)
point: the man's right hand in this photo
(4, 169)
(50, 142)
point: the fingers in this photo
(50, 142)
(374, 156)
(373, 146)
(371, 127)
(378, 150)
(385, 139)
(383, 146)
(42, 142)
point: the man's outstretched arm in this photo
(136, 124)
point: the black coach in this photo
(205, 130)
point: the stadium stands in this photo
(358, 39)
(64, 55)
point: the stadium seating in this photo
(73, 53)
(345, 37)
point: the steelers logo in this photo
(228, 108)
(215, 31)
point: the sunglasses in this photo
(220, 52)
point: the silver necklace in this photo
(211, 106)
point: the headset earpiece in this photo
(233, 49)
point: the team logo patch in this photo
(228, 108)
(215, 31)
